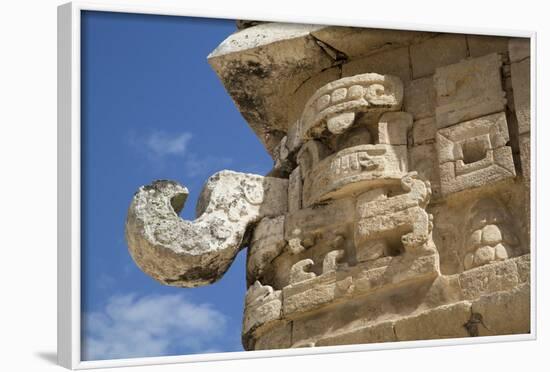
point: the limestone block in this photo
(282, 164)
(381, 332)
(262, 67)
(262, 305)
(300, 271)
(393, 128)
(348, 171)
(423, 159)
(324, 217)
(330, 262)
(400, 271)
(295, 190)
(423, 131)
(446, 321)
(336, 101)
(521, 85)
(438, 51)
(300, 97)
(419, 98)
(480, 45)
(494, 277)
(469, 89)
(519, 49)
(267, 243)
(306, 295)
(525, 155)
(380, 63)
(355, 136)
(523, 264)
(294, 139)
(310, 154)
(411, 227)
(474, 153)
(445, 289)
(505, 312)
(193, 253)
(414, 192)
(277, 337)
(355, 41)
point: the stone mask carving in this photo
(341, 238)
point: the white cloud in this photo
(159, 145)
(202, 165)
(162, 144)
(131, 326)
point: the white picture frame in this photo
(69, 196)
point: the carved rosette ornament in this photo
(345, 241)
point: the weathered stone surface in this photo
(382, 332)
(277, 337)
(523, 264)
(308, 292)
(423, 159)
(262, 66)
(525, 155)
(480, 45)
(395, 214)
(424, 131)
(378, 63)
(474, 153)
(322, 217)
(504, 313)
(420, 98)
(519, 49)
(446, 321)
(295, 190)
(469, 89)
(393, 128)
(263, 305)
(522, 94)
(339, 102)
(267, 243)
(304, 92)
(349, 170)
(498, 276)
(356, 42)
(192, 253)
(435, 52)
(397, 273)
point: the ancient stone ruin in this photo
(398, 204)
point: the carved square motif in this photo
(474, 153)
(468, 89)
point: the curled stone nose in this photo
(395, 210)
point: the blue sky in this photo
(152, 108)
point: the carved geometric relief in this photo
(352, 168)
(474, 153)
(393, 224)
(490, 235)
(387, 214)
(335, 105)
(263, 305)
(469, 89)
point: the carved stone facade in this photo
(398, 205)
